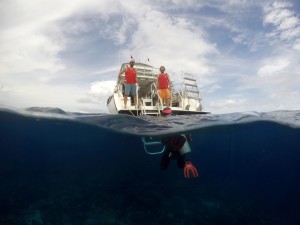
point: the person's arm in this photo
(136, 77)
(169, 81)
(121, 72)
(189, 137)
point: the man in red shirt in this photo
(130, 82)
(163, 84)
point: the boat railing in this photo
(176, 95)
(153, 146)
(146, 73)
(155, 92)
(143, 70)
(191, 90)
(119, 88)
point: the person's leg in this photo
(135, 101)
(125, 101)
(165, 160)
(168, 102)
(167, 96)
(126, 93)
(160, 93)
(133, 94)
(163, 101)
(181, 161)
(131, 100)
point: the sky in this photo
(245, 54)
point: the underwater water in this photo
(85, 169)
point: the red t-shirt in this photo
(163, 82)
(130, 76)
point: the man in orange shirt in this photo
(163, 84)
(130, 82)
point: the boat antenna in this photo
(118, 63)
(118, 58)
(147, 60)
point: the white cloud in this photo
(32, 37)
(95, 98)
(212, 88)
(281, 4)
(116, 32)
(36, 94)
(284, 19)
(106, 70)
(172, 41)
(273, 67)
(102, 88)
(26, 51)
(228, 105)
(297, 45)
(289, 23)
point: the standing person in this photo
(163, 84)
(130, 82)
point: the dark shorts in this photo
(130, 90)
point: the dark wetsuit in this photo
(173, 145)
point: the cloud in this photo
(28, 51)
(273, 67)
(102, 88)
(36, 94)
(36, 40)
(171, 41)
(232, 104)
(297, 45)
(32, 35)
(97, 95)
(284, 19)
(105, 71)
(25, 44)
(212, 88)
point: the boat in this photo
(185, 96)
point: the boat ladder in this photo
(153, 146)
(147, 108)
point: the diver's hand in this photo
(189, 169)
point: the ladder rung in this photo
(190, 91)
(151, 113)
(192, 85)
(187, 78)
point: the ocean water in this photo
(59, 168)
